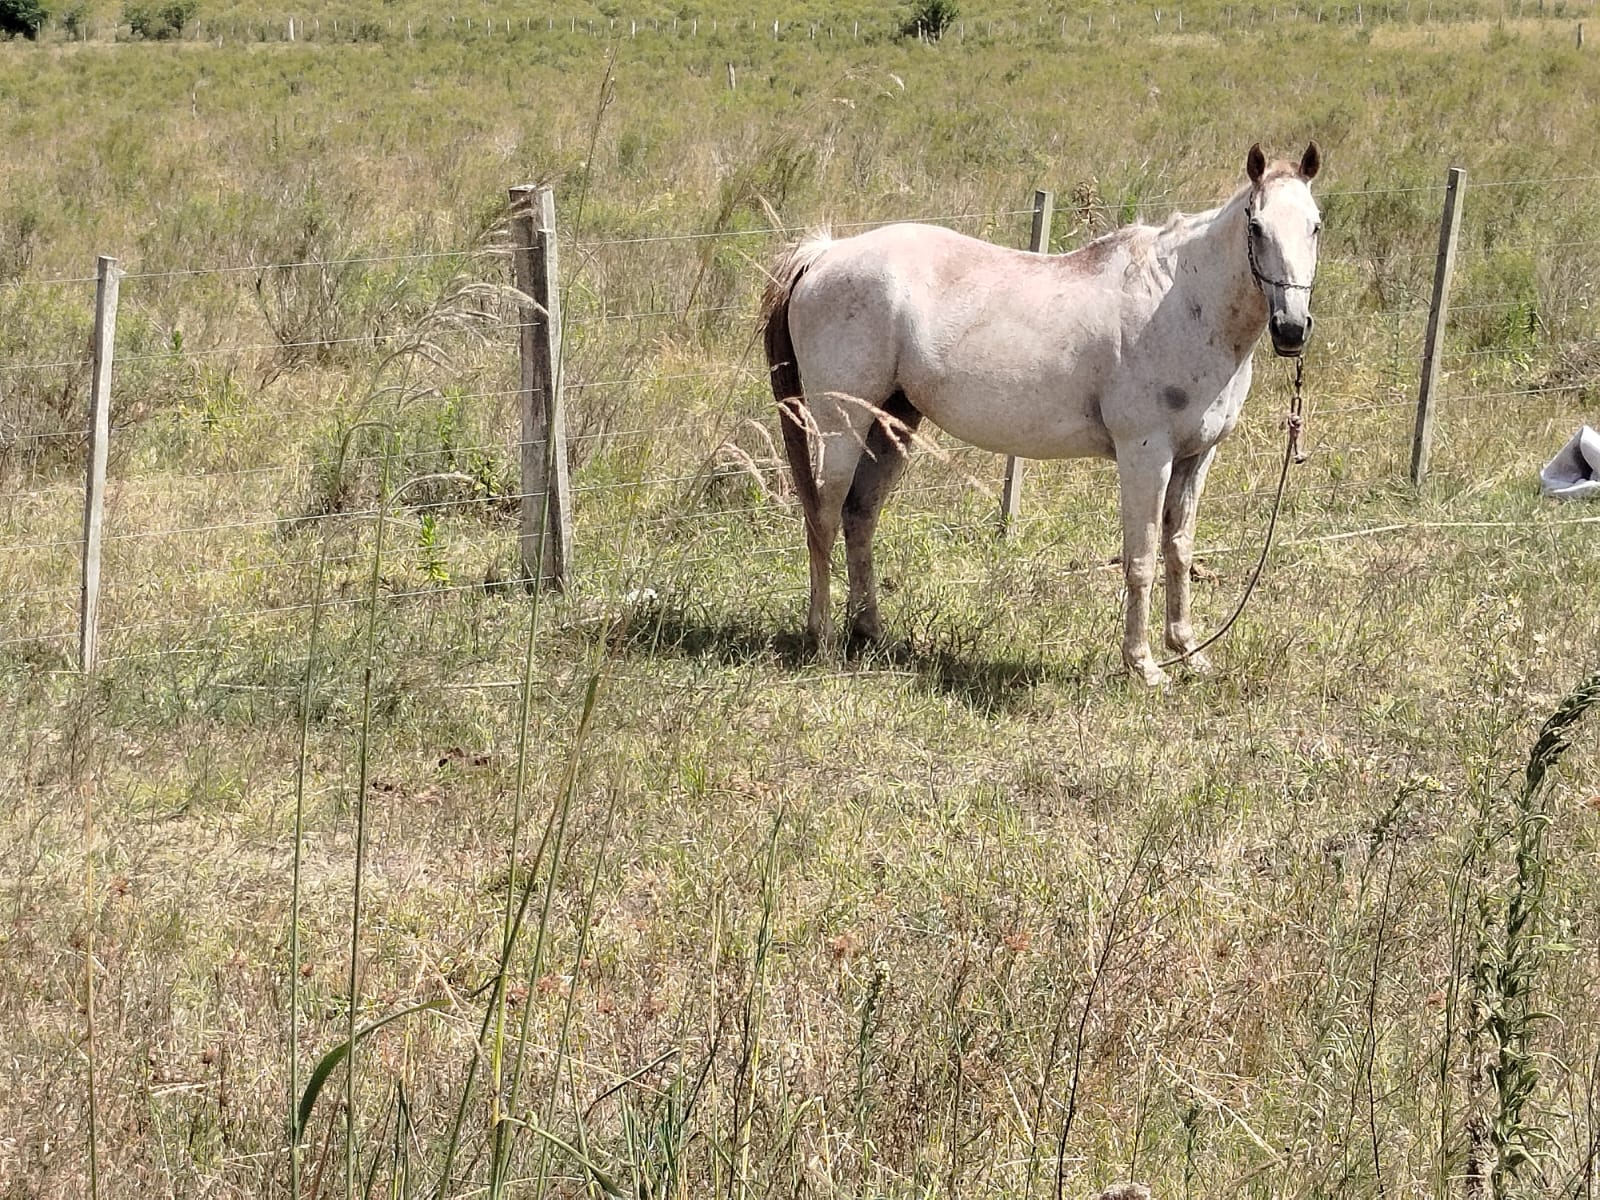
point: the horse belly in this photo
(1018, 416)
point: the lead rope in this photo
(1293, 424)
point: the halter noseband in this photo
(1255, 268)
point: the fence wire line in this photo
(46, 366)
(1579, 344)
(1478, 397)
(650, 482)
(121, 359)
(490, 251)
(417, 593)
(578, 322)
(962, 482)
(817, 31)
(799, 225)
(762, 468)
(188, 577)
(377, 341)
(503, 250)
(297, 522)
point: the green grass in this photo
(877, 927)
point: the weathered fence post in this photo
(1433, 343)
(109, 275)
(1039, 242)
(546, 494)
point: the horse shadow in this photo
(960, 667)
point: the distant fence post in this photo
(1433, 344)
(546, 493)
(108, 278)
(1039, 242)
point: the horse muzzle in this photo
(1289, 334)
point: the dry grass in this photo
(878, 927)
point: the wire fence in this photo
(1124, 18)
(229, 495)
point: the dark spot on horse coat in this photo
(1196, 310)
(1175, 398)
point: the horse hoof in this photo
(1199, 664)
(1152, 675)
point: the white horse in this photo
(1135, 347)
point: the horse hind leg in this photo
(841, 427)
(820, 514)
(883, 461)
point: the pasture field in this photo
(665, 906)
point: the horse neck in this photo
(1212, 245)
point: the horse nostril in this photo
(1287, 329)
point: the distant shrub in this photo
(158, 21)
(75, 20)
(22, 18)
(930, 19)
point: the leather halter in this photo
(1255, 269)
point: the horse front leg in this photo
(1142, 473)
(1177, 548)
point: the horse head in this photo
(1281, 241)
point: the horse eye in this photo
(1255, 225)
(1316, 230)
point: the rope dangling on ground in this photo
(1294, 425)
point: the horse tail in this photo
(784, 372)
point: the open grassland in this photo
(970, 915)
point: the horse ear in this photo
(1311, 161)
(1255, 164)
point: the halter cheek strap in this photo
(1255, 268)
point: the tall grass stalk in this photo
(302, 759)
(87, 789)
(1113, 937)
(492, 1028)
(501, 1151)
(563, 1038)
(363, 759)
(515, 907)
(607, 94)
(744, 1082)
(555, 837)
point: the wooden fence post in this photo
(1438, 311)
(109, 277)
(1039, 242)
(546, 493)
